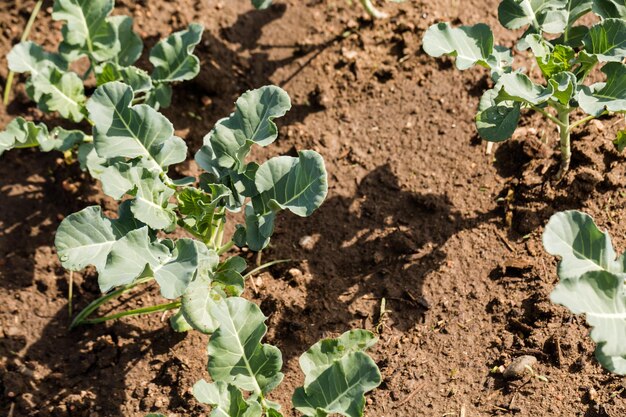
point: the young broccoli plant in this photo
(592, 282)
(565, 62)
(338, 372)
(133, 148)
(111, 48)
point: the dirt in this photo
(417, 214)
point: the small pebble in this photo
(307, 242)
(517, 368)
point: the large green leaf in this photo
(21, 133)
(123, 130)
(575, 238)
(130, 44)
(229, 142)
(601, 296)
(496, 121)
(226, 400)
(137, 254)
(296, 184)
(339, 388)
(607, 40)
(550, 16)
(87, 30)
(610, 8)
(324, 353)
(173, 57)
(197, 303)
(30, 57)
(236, 355)
(470, 45)
(518, 87)
(151, 202)
(607, 96)
(59, 91)
(138, 79)
(86, 237)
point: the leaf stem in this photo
(135, 312)
(548, 115)
(583, 121)
(70, 294)
(225, 248)
(95, 304)
(25, 35)
(265, 265)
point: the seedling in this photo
(564, 61)
(111, 48)
(591, 282)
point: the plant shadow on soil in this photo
(381, 242)
(87, 368)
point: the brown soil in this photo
(412, 216)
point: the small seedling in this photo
(565, 62)
(591, 282)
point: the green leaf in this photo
(236, 263)
(179, 324)
(198, 209)
(610, 8)
(226, 400)
(551, 59)
(564, 85)
(230, 140)
(130, 44)
(59, 91)
(607, 40)
(257, 231)
(136, 78)
(601, 296)
(21, 133)
(135, 254)
(173, 57)
(123, 130)
(518, 87)
(198, 302)
(548, 16)
(90, 161)
(160, 97)
(151, 202)
(576, 9)
(496, 121)
(87, 31)
(620, 140)
(261, 4)
(297, 184)
(470, 45)
(30, 57)
(236, 355)
(324, 353)
(340, 388)
(574, 237)
(86, 237)
(608, 96)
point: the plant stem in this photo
(373, 11)
(135, 312)
(27, 29)
(566, 151)
(265, 265)
(95, 304)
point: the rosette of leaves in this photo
(133, 148)
(111, 48)
(592, 282)
(564, 61)
(244, 371)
